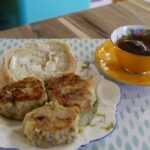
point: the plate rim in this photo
(116, 122)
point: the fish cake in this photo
(19, 98)
(51, 124)
(73, 90)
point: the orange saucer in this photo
(109, 65)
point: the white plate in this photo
(104, 122)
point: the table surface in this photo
(94, 23)
(133, 129)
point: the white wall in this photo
(98, 3)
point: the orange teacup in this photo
(132, 62)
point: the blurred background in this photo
(14, 13)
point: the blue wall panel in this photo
(36, 10)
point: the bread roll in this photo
(41, 59)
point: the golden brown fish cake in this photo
(51, 124)
(18, 98)
(72, 90)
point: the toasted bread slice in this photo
(19, 98)
(51, 124)
(73, 90)
(41, 59)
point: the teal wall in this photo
(8, 14)
(36, 10)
